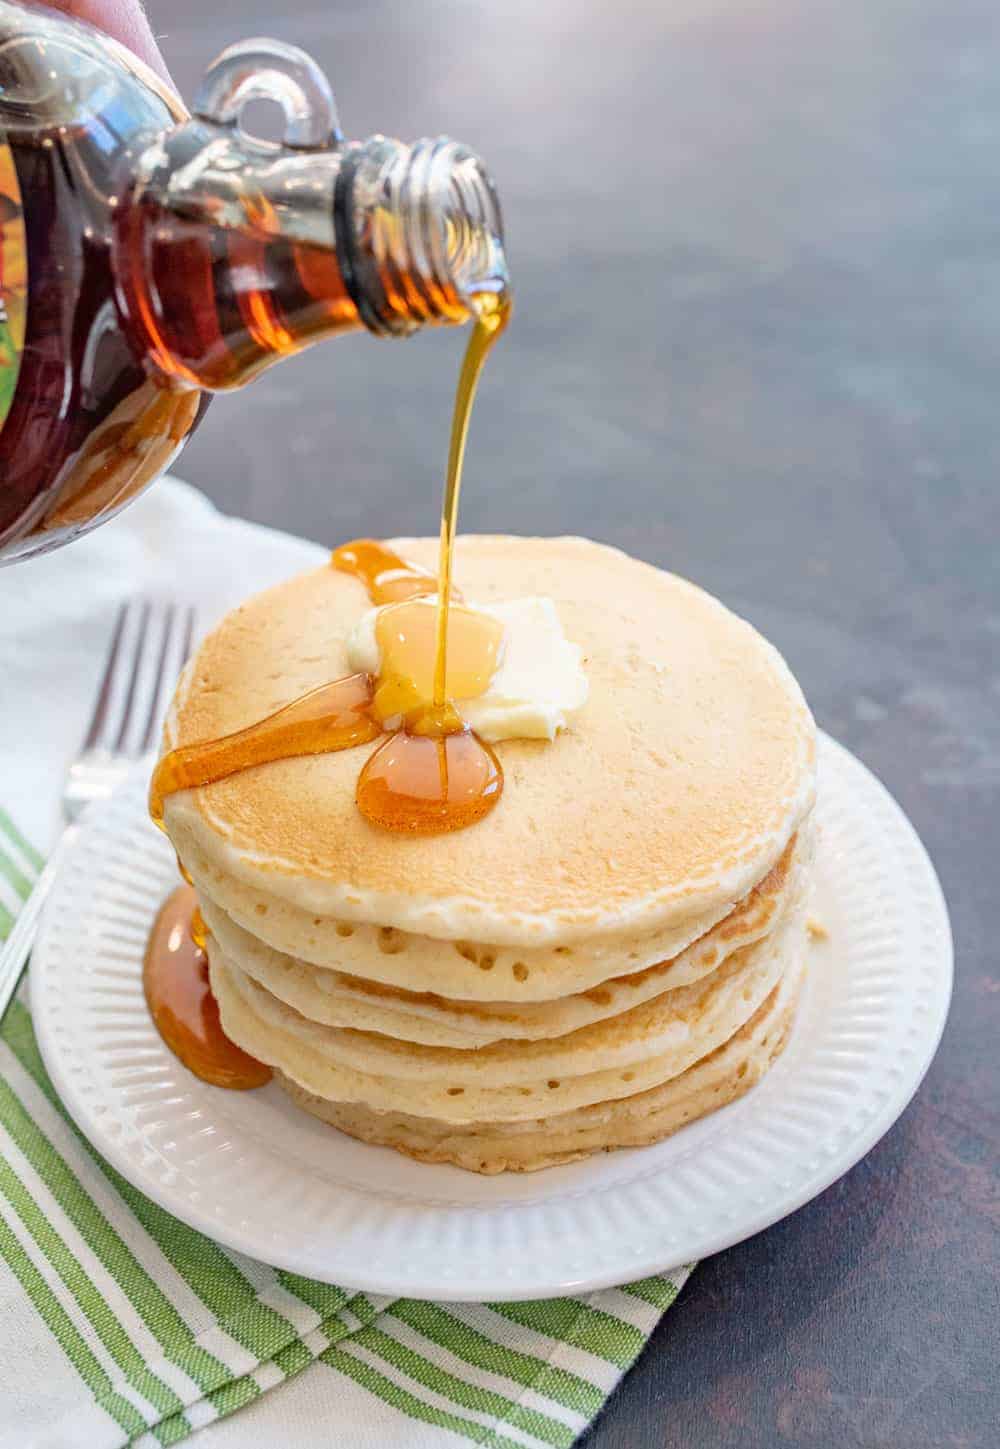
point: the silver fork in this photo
(149, 644)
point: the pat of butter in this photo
(539, 683)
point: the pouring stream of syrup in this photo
(494, 314)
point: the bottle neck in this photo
(229, 253)
(419, 233)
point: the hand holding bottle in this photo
(123, 19)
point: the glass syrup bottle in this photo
(149, 258)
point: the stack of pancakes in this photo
(614, 951)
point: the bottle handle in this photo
(270, 70)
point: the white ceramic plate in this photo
(260, 1176)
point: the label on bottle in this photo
(13, 280)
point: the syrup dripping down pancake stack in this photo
(615, 950)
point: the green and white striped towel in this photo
(120, 1325)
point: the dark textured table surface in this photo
(756, 251)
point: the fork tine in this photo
(99, 717)
(157, 686)
(137, 651)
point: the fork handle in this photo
(17, 948)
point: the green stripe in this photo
(443, 1328)
(234, 1395)
(6, 922)
(610, 1338)
(324, 1298)
(86, 1296)
(20, 842)
(16, 877)
(337, 1329)
(399, 1398)
(225, 1399)
(149, 1301)
(461, 1393)
(658, 1292)
(363, 1309)
(65, 1332)
(293, 1358)
(172, 1430)
(227, 1294)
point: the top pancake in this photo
(675, 790)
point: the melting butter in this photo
(406, 640)
(536, 686)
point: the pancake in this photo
(466, 969)
(507, 1081)
(675, 791)
(338, 999)
(492, 1147)
(613, 951)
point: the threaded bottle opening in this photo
(425, 233)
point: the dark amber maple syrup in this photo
(387, 577)
(180, 1000)
(335, 716)
(89, 425)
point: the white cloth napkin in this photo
(57, 612)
